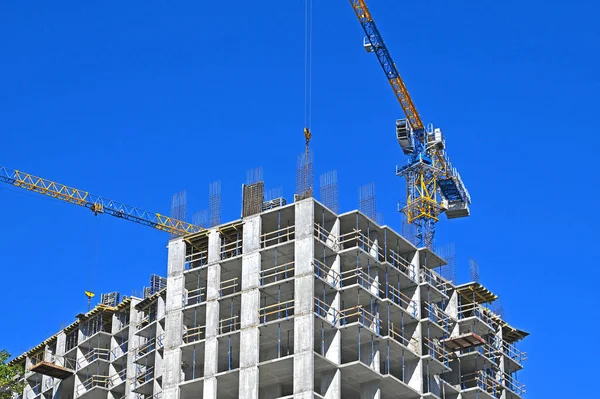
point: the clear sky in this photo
(138, 100)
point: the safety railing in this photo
(229, 324)
(117, 378)
(92, 382)
(325, 273)
(402, 265)
(122, 320)
(488, 349)
(277, 311)
(434, 349)
(474, 310)
(511, 351)
(397, 334)
(356, 238)
(47, 385)
(325, 236)
(194, 297)
(196, 259)
(145, 348)
(231, 249)
(193, 334)
(143, 376)
(277, 273)
(37, 358)
(435, 280)
(326, 311)
(434, 313)
(482, 381)
(229, 287)
(277, 237)
(36, 389)
(93, 355)
(358, 276)
(119, 351)
(147, 396)
(399, 298)
(359, 314)
(151, 316)
(509, 382)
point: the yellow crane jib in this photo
(95, 203)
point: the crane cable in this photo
(308, 23)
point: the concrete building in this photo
(292, 302)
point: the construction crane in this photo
(95, 203)
(428, 172)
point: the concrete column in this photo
(452, 310)
(334, 235)
(373, 273)
(370, 354)
(304, 292)
(134, 318)
(370, 390)
(211, 344)
(503, 365)
(61, 341)
(331, 384)
(374, 250)
(416, 376)
(249, 333)
(174, 319)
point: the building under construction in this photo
(295, 301)
(292, 300)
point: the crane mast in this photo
(433, 186)
(95, 203)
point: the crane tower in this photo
(433, 185)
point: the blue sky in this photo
(137, 101)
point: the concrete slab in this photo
(192, 389)
(392, 387)
(473, 361)
(475, 325)
(475, 393)
(278, 371)
(434, 365)
(228, 385)
(354, 374)
(432, 294)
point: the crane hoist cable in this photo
(308, 28)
